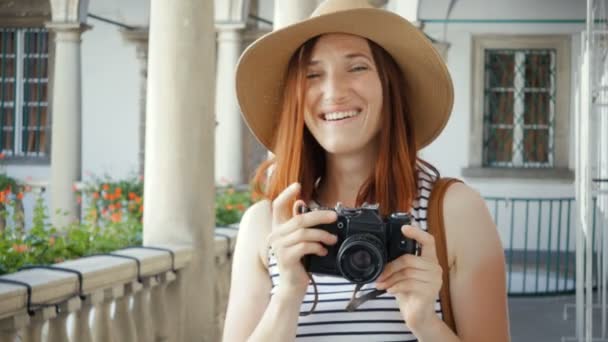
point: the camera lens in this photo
(361, 258)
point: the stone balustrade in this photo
(114, 298)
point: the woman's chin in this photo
(339, 147)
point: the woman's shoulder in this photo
(469, 228)
(258, 210)
(255, 226)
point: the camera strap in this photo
(355, 301)
(316, 300)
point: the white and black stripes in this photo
(378, 319)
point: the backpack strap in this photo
(436, 228)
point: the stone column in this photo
(179, 186)
(229, 129)
(139, 37)
(287, 12)
(66, 127)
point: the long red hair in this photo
(298, 157)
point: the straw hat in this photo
(261, 69)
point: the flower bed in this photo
(112, 219)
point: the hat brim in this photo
(262, 66)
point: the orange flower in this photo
(2, 155)
(7, 191)
(118, 205)
(112, 207)
(96, 195)
(132, 195)
(106, 187)
(116, 217)
(228, 206)
(2, 197)
(138, 200)
(20, 196)
(22, 248)
(104, 211)
(141, 209)
(51, 241)
(106, 196)
(240, 207)
(118, 192)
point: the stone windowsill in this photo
(554, 174)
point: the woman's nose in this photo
(334, 88)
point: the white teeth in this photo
(340, 115)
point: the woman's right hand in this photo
(292, 238)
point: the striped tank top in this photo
(378, 319)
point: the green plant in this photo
(230, 204)
(113, 213)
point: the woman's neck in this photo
(344, 176)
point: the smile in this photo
(337, 116)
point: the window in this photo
(520, 106)
(24, 110)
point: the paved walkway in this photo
(540, 319)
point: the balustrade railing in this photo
(113, 297)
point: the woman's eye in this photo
(309, 76)
(359, 68)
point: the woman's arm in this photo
(251, 314)
(477, 275)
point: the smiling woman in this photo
(343, 95)
(360, 91)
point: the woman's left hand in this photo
(415, 281)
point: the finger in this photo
(298, 251)
(408, 274)
(296, 207)
(407, 287)
(281, 211)
(309, 235)
(310, 219)
(426, 241)
(406, 260)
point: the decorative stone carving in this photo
(231, 12)
(69, 11)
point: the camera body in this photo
(366, 243)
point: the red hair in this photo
(298, 157)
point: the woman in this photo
(345, 100)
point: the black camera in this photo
(366, 243)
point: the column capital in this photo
(229, 25)
(69, 10)
(138, 36)
(67, 26)
(230, 35)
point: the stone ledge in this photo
(553, 174)
(99, 272)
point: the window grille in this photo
(519, 108)
(24, 121)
